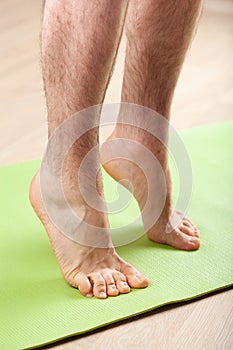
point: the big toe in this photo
(188, 242)
(137, 280)
(194, 243)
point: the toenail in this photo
(140, 277)
(103, 295)
(193, 239)
(89, 295)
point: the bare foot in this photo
(185, 235)
(94, 271)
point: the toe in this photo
(189, 242)
(82, 282)
(99, 285)
(181, 240)
(137, 280)
(186, 221)
(187, 229)
(194, 243)
(196, 231)
(110, 285)
(121, 283)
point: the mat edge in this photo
(172, 302)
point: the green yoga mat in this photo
(38, 307)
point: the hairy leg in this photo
(158, 36)
(79, 44)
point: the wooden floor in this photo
(204, 95)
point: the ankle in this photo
(138, 137)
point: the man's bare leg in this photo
(79, 43)
(159, 33)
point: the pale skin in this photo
(79, 44)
